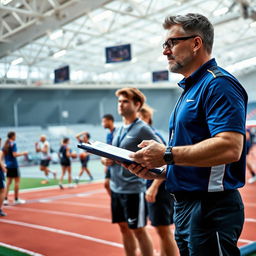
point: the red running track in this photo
(77, 222)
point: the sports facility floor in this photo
(76, 221)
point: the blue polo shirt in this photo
(110, 136)
(10, 160)
(213, 101)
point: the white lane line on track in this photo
(173, 231)
(65, 196)
(20, 249)
(250, 204)
(53, 187)
(82, 216)
(82, 204)
(62, 232)
(96, 218)
(250, 220)
(245, 241)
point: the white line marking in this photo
(82, 204)
(65, 196)
(250, 204)
(250, 220)
(44, 201)
(62, 232)
(20, 249)
(53, 187)
(82, 216)
(92, 192)
(245, 241)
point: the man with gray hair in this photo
(205, 155)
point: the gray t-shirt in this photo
(128, 137)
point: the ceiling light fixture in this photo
(102, 16)
(161, 58)
(107, 65)
(59, 53)
(221, 11)
(17, 61)
(78, 73)
(242, 64)
(5, 2)
(56, 34)
(253, 24)
(134, 60)
(156, 39)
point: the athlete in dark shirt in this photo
(10, 156)
(64, 155)
(83, 137)
(108, 123)
(249, 159)
(2, 181)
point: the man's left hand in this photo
(140, 171)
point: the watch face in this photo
(168, 157)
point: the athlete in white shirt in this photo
(43, 146)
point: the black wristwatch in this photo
(168, 156)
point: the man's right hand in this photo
(151, 154)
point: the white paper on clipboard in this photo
(112, 152)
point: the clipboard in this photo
(112, 152)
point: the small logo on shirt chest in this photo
(189, 100)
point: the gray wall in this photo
(44, 107)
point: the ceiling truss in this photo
(88, 26)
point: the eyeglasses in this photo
(170, 42)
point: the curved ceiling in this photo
(37, 37)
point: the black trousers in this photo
(210, 225)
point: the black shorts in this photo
(2, 179)
(209, 226)
(130, 208)
(84, 161)
(45, 162)
(161, 211)
(13, 172)
(65, 163)
(107, 175)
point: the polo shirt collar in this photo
(185, 83)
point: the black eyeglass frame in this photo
(169, 43)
